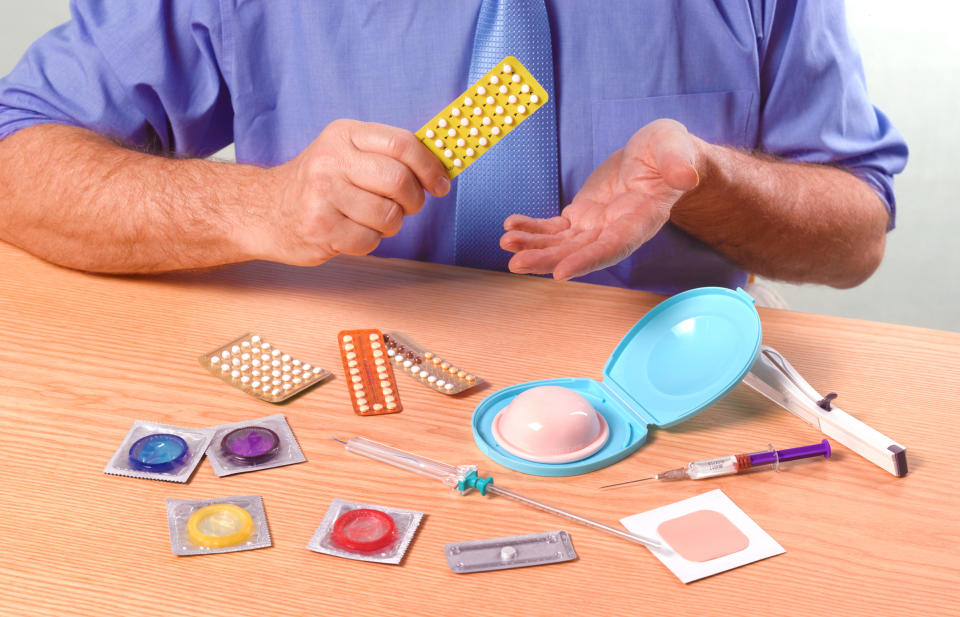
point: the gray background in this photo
(912, 61)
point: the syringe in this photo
(464, 477)
(738, 463)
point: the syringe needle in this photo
(630, 482)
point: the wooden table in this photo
(83, 356)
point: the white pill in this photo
(245, 357)
(507, 68)
(468, 101)
(235, 374)
(452, 133)
(235, 349)
(307, 366)
(358, 386)
(391, 352)
(464, 122)
(448, 153)
(235, 361)
(389, 399)
(469, 152)
(361, 401)
(388, 390)
(474, 131)
(317, 370)
(353, 371)
(347, 338)
(373, 336)
(508, 120)
(482, 141)
(276, 373)
(276, 352)
(296, 363)
(442, 123)
(225, 354)
(255, 384)
(356, 379)
(245, 344)
(255, 362)
(276, 363)
(524, 88)
(377, 353)
(245, 379)
(377, 406)
(431, 379)
(503, 89)
(348, 347)
(287, 387)
(375, 345)
(378, 360)
(516, 78)
(495, 130)
(491, 100)
(486, 121)
(361, 396)
(438, 143)
(363, 408)
(498, 110)
(407, 363)
(381, 369)
(461, 142)
(276, 392)
(254, 339)
(534, 98)
(457, 163)
(224, 367)
(512, 99)
(276, 382)
(352, 363)
(266, 345)
(455, 112)
(494, 79)
(215, 360)
(265, 357)
(256, 372)
(297, 380)
(391, 405)
(285, 378)
(521, 109)
(481, 90)
(440, 382)
(384, 383)
(430, 134)
(244, 368)
(448, 386)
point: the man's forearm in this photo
(79, 200)
(789, 221)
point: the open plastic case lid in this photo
(681, 357)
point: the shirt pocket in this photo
(720, 118)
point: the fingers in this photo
(523, 223)
(380, 214)
(542, 261)
(385, 177)
(403, 146)
(516, 241)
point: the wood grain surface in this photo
(83, 356)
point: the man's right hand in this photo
(348, 189)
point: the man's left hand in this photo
(624, 203)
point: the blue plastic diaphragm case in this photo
(681, 357)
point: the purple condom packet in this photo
(253, 445)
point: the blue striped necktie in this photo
(520, 174)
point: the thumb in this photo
(670, 149)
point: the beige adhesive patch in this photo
(702, 535)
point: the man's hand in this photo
(348, 189)
(624, 203)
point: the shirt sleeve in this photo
(816, 108)
(147, 73)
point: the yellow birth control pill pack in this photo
(483, 115)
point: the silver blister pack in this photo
(159, 452)
(513, 552)
(365, 532)
(253, 445)
(199, 527)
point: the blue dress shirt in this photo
(192, 76)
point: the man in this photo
(670, 118)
